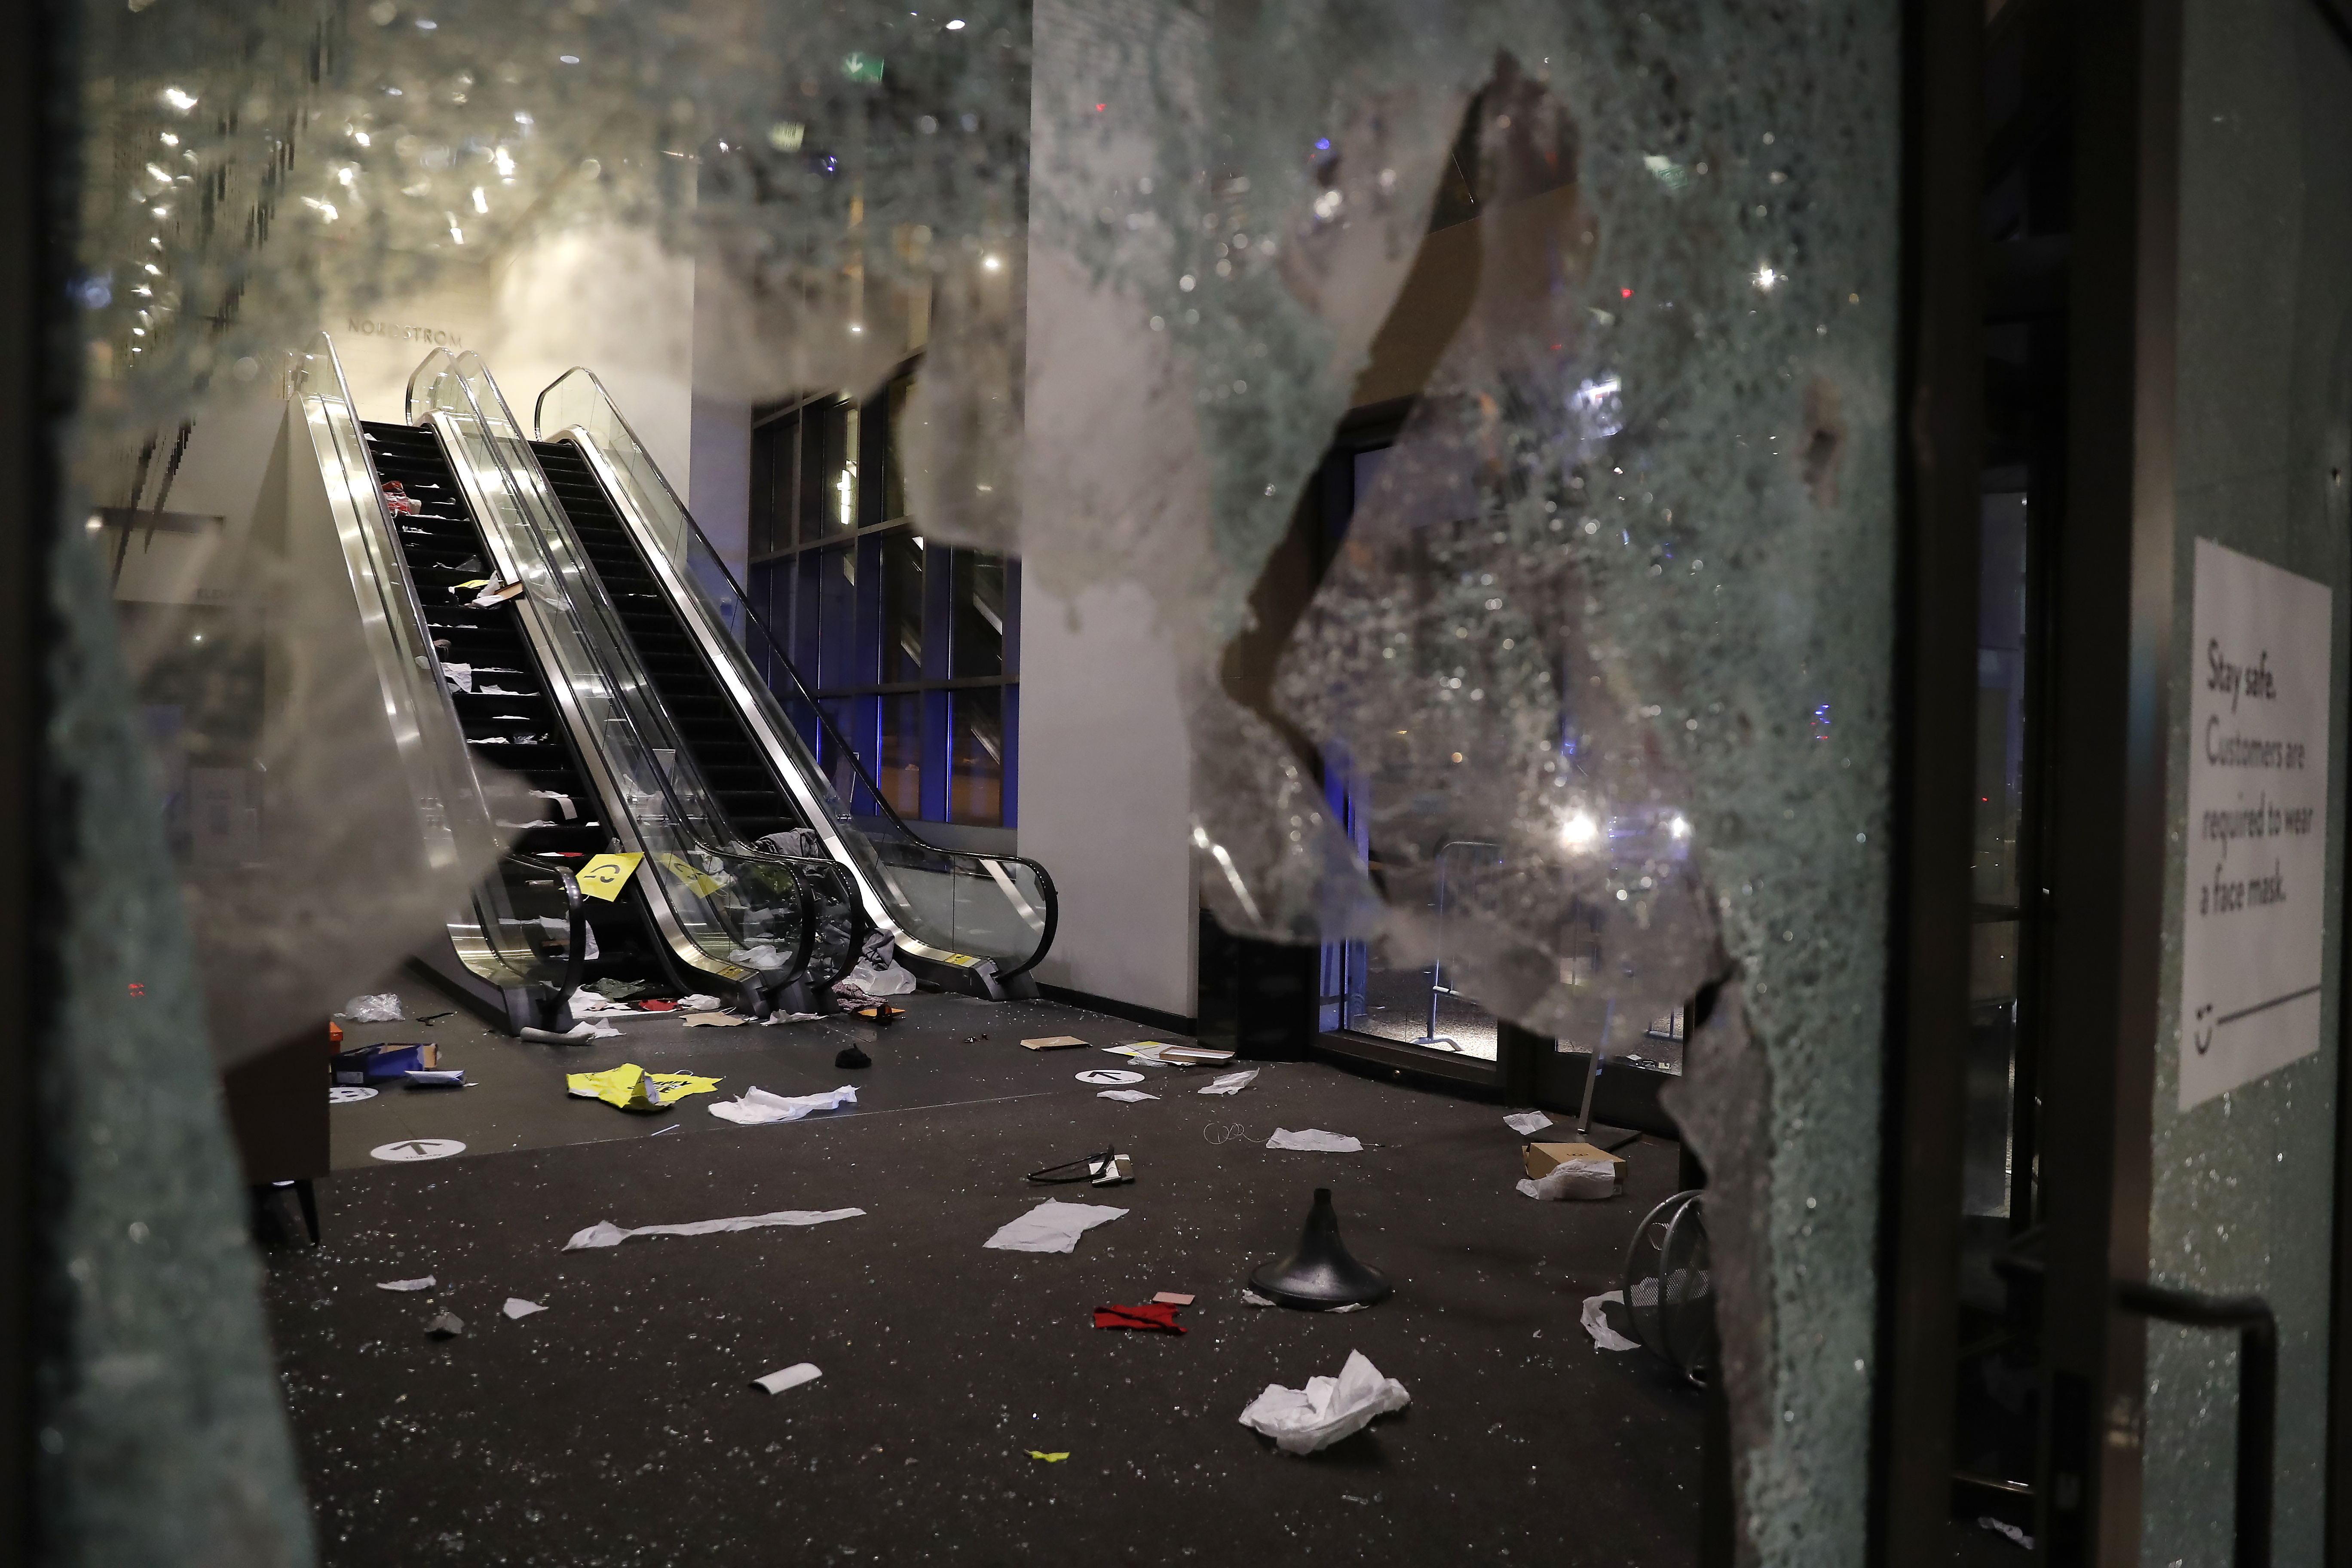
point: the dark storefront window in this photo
(912, 645)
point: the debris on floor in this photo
(1251, 1299)
(791, 1377)
(347, 1094)
(1232, 1082)
(1561, 1171)
(1169, 1054)
(1052, 1227)
(1173, 1298)
(1109, 1169)
(604, 1233)
(1128, 1095)
(381, 1007)
(756, 1106)
(699, 1003)
(1527, 1123)
(516, 1307)
(580, 1034)
(1315, 1141)
(446, 1326)
(433, 1078)
(1049, 1458)
(1053, 1043)
(379, 1063)
(1154, 1317)
(630, 1088)
(1301, 1420)
(2009, 1531)
(1595, 1319)
(716, 1020)
(613, 989)
(788, 1019)
(425, 1284)
(1110, 1075)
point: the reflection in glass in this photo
(978, 634)
(976, 757)
(902, 607)
(901, 773)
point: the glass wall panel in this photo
(976, 757)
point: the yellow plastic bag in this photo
(626, 1087)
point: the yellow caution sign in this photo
(685, 871)
(605, 875)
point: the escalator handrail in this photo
(680, 818)
(783, 660)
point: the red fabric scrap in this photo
(1151, 1315)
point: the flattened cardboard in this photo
(1541, 1159)
(1053, 1043)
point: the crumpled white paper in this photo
(1232, 1082)
(791, 1377)
(424, 1284)
(604, 1233)
(1129, 1095)
(383, 1007)
(1596, 1322)
(586, 1029)
(1580, 1178)
(756, 1105)
(698, 1003)
(1301, 1420)
(762, 955)
(1052, 1227)
(587, 1003)
(1527, 1123)
(1315, 1141)
(516, 1307)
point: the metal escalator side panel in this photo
(453, 813)
(572, 691)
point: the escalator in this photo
(975, 922)
(500, 699)
(526, 737)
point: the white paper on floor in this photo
(1251, 1299)
(1527, 1123)
(791, 1377)
(1596, 1322)
(756, 1105)
(1129, 1095)
(1301, 1420)
(1579, 1178)
(1315, 1141)
(1232, 1082)
(792, 1017)
(698, 1003)
(1052, 1227)
(604, 1233)
(516, 1307)
(888, 978)
(1110, 1075)
(587, 1003)
(379, 1007)
(424, 1284)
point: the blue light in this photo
(1323, 144)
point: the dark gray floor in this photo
(617, 1426)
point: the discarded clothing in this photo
(1159, 1317)
(1527, 1123)
(630, 1088)
(424, 1284)
(516, 1307)
(1232, 1082)
(1574, 1179)
(1052, 1227)
(757, 1106)
(1301, 1420)
(1595, 1319)
(791, 1377)
(619, 990)
(1315, 1141)
(604, 1233)
(1129, 1095)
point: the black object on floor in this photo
(1322, 1274)
(853, 1056)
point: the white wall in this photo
(1107, 794)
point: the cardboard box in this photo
(1542, 1159)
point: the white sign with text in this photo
(2252, 947)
